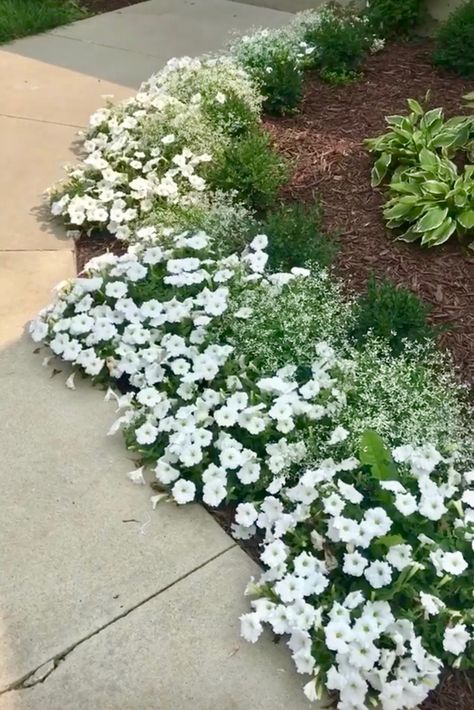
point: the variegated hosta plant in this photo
(399, 149)
(434, 200)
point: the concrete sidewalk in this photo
(105, 603)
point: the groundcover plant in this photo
(242, 385)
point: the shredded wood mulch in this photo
(324, 144)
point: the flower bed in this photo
(247, 378)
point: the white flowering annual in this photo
(194, 410)
(153, 149)
(351, 576)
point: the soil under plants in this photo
(324, 142)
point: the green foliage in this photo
(401, 146)
(252, 168)
(435, 200)
(393, 313)
(275, 63)
(281, 83)
(455, 41)
(392, 18)
(296, 238)
(341, 40)
(19, 18)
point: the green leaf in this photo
(374, 453)
(435, 187)
(430, 117)
(407, 188)
(391, 540)
(466, 219)
(409, 236)
(380, 168)
(428, 159)
(415, 107)
(432, 219)
(397, 211)
(441, 234)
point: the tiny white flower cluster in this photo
(151, 149)
(350, 573)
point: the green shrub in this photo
(341, 40)
(392, 18)
(275, 64)
(252, 168)
(455, 41)
(296, 238)
(392, 313)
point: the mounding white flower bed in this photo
(356, 482)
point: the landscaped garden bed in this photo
(254, 364)
(325, 143)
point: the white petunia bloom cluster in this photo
(352, 573)
(153, 149)
(196, 411)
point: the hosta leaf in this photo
(397, 211)
(415, 107)
(430, 117)
(443, 140)
(432, 219)
(460, 198)
(407, 188)
(441, 234)
(396, 120)
(466, 219)
(380, 168)
(434, 187)
(409, 236)
(428, 159)
(374, 453)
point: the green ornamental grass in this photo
(19, 18)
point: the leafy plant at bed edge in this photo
(434, 200)
(394, 18)
(400, 147)
(455, 41)
(252, 168)
(296, 237)
(393, 313)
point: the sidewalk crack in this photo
(42, 672)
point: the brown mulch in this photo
(99, 6)
(324, 144)
(95, 245)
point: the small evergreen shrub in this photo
(392, 18)
(455, 41)
(274, 59)
(393, 313)
(296, 238)
(341, 40)
(252, 168)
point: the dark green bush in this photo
(341, 40)
(393, 313)
(455, 41)
(280, 82)
(392, 18)
(295, 237)
(252, 168)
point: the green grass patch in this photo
(19, 18)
